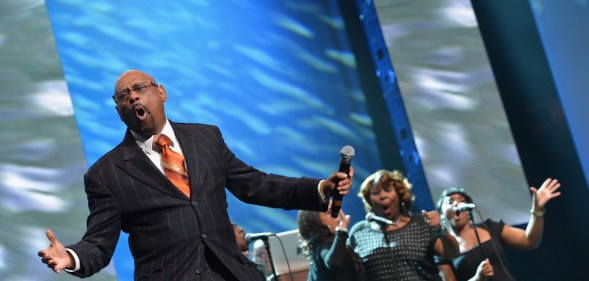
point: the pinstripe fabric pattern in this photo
(168, 232)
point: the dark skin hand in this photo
(338, 180)
(55, 256)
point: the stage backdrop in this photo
(563, 28)
(41, 156)
(278, 77)
(458, 120)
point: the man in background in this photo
(240, 239)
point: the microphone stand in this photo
(267, 246)
(476, 233)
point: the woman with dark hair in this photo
(397, 245)
(324, 244)
(481, 245)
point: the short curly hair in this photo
(394, 178)
(311, 228)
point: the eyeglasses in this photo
(123, 96)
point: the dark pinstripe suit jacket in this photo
(168, 232)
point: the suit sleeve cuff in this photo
(76, 261)
(324, 197)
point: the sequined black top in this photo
(405, 254)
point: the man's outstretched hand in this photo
(56, 256)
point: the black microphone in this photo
(347, 153)
(373, 217)
(249, 237)
(461, 207)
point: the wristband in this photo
(324, 196)
(439, 231)
(338, 228)
(538, 214)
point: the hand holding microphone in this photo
(341, 182)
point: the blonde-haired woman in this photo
(398, 245)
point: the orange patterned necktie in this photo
(173, 164)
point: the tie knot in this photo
(162, 140)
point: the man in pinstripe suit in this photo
(173, 236)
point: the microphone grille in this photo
(347, 151)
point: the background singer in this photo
(403, 250)
(471, 264)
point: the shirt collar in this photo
(147, 144)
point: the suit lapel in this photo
(137, 165)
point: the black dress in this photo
(465, 265)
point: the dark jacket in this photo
(171, 236)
